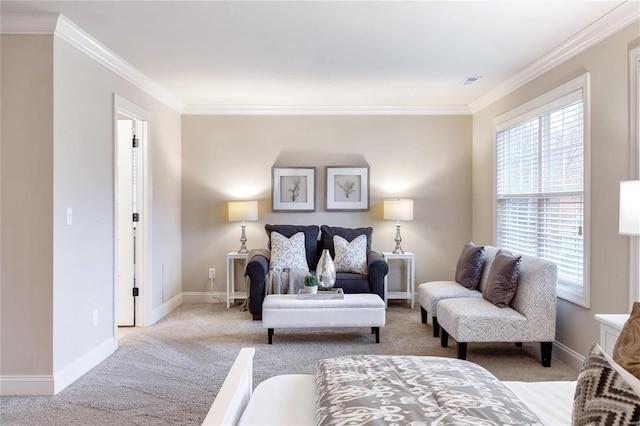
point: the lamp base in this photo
(398, 249)
(243, 241)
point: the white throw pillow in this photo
(351, 256)
(288, 253)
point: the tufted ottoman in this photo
(355, 310)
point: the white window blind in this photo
(540, 185)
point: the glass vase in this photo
(326, 271)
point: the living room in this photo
(54, 276)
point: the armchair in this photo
(258, 265)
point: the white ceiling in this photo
(328, 53)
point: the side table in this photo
(610, 328)
(232, 294)
(408, 259)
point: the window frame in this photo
(634, 167)
(578, 295)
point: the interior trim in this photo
(326, 110)
(614, 21)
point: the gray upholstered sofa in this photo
(467, 316)
(258, 266)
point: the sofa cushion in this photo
(349, 234)
(502, 279)
(627, 349)
(351, 256)
(287, 253)
(469, 266)
(310, 238)
(602, 395)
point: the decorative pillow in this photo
(469, 267)
(502, 279)
(351, 256)
(310, 238)
(328, 232)
(627, 349)
(287, 253)
(602, 396)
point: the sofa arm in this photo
(378, 269)
(257, 272)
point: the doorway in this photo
(130, 214)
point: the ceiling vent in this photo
(470, 80)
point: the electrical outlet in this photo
(95, 317)
(212, 273)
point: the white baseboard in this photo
(76, 369)
(158, 313)
(26, 385)
(204, 297)
(51, 385)
(567, 355)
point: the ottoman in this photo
(355, 310)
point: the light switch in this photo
(69, 216)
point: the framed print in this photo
(347, 188)
(293, 189)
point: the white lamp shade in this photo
(630, 207)
(243, 211)
(398, 209)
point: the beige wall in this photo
(427, 158)
(57, 152)
(26, 263)
(608, 65)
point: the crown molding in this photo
(612, 22)
(325, 110)
(58, 25)
(76, 37)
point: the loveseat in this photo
(487, 303)
(257, 266)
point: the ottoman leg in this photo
(376, 330)
(462, 350)
(436, 327)
(270, 334)
(444, 338)
(423, 315)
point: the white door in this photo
(125, 231)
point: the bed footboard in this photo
(235, 392)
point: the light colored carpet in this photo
(169, 373)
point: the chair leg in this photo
(519, 344)
(545, 350)
(444, 338)
(423, 315)
(377, 333)
(462, 350)
(436, 327)
(270, 335)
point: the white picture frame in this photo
(347, 188)
(293, 189)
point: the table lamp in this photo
(398, 210)
(243, 211)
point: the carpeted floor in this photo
(169, 373)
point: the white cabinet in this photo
(610, 328)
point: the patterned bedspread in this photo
(385, 389)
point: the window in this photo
(540, 184)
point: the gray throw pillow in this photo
(502, 280)
(349, 234)
(469, 267)
(310, 238)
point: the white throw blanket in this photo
(288, 281)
